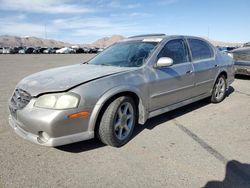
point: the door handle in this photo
(189, 72)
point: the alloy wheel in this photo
(220, 88)
(124, 120)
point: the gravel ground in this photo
(199, 145)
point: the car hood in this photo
(65, 78)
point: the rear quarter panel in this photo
(226, 63)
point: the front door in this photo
(173, 84)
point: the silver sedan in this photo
(126, 84)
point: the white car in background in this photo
(6, 50)
(65, 50)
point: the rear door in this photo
(203, 59)
(170, 85)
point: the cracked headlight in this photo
(58, 101)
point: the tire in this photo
(118, 121)
(219, 90)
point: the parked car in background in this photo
(16, 49)
(226, 49)
(1, 50)
(30, 50)
(246, 44)
(54, 49)
(93, 50)
(241, 57)
(86, 50)
(65, 50)
(48, 51)
(128, 83)
(79, 50)
(36, 50)
(100, 50)
(21, 50)
(7, 50)
(41, 50)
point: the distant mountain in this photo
(7, 41)
(11, 41)
(107, 41)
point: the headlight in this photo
(58, 101)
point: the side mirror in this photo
(164, 62)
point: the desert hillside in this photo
(11, 41)
(107, 41)
(7, 41)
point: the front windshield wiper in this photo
(103, 64)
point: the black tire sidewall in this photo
(107, 135)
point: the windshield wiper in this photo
(85, 62)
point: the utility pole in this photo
(208, 32)
(45, 31)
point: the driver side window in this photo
(176, 50)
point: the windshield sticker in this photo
(152, 40)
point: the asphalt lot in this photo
(199, 145)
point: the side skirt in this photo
(177, 105)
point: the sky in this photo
(84, 21)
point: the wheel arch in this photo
(112, 94)
(223, 73)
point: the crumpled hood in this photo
(64, 78)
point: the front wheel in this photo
(118, 121)
(219, 90)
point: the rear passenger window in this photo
(175, 49)
(200, 49)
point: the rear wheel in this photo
(118, 121)
(219, 90)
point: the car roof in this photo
(158, 37)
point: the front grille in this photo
(20, 99)
(241, 57)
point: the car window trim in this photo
(186, 47)
(200, 60)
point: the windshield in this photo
(125, 54)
